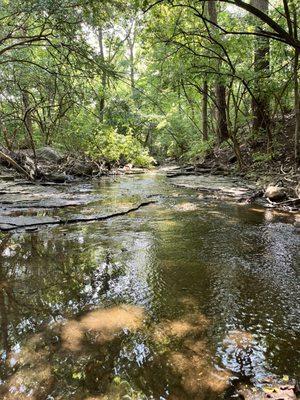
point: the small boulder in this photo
(49, 154)
(275, 193)
(80, 168)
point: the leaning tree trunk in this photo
(260, 100)
(222, 126)
(21, 163)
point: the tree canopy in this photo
(138, 81)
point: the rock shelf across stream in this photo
(215, 184)
(29, 206)
(12, 223)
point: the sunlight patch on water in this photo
(103, 323)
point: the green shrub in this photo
(262, 157)
(113, 147)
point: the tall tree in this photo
(222, 127)
(103, 75)
(260, 100)
(205, 110)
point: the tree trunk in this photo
(131, 42)
(260, 101)
(27, 116)
(221, 114)
(222, 126)
(103, 78)
(132, 72)
(205, 110)
(297, 110)
(296, 94)
(28, 125)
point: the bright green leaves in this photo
(110, 146)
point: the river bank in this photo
(273, 190)
(216, 175)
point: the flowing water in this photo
(170, 302)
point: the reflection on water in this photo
(166, 303)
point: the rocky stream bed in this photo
(29, 204)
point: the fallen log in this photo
(22, 163)
(6, 226)
(9, 160)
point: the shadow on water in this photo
(170, 302)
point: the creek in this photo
(172, 301)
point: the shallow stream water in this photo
(170, 302)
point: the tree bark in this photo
(296, 94)
(131, 44)
(221, 113)
(297, 110)
(27, 116)
(260, 101)
(205, 110)
(222, 126)
(103, 78)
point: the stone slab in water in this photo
(15, 195)
(226, 186)
(9, 222)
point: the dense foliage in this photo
(128, 81)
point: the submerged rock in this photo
(186, 207)
(59, 178)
